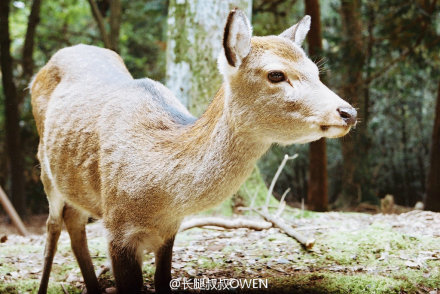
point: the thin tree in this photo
(355, 145)
(29, 42)
(317, 194)
(433, 187)
(14, 96)
(12, 127)
(111, 38)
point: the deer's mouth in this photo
(335, 131)
(327, 127)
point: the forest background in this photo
(381, 56)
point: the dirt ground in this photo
(354, 253)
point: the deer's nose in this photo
(348, 114)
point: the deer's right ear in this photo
(298, 32)
(237, 37)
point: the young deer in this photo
(128, 151)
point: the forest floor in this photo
(353, 253)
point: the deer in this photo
(128, 152)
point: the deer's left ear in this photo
(298, 32)
(237, 37)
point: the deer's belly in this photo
(72, 161)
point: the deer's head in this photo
(274, 88)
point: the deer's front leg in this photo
(127, 269)
(162, 276)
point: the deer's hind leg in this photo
(76, 221)
(54, 225)
(162, 276)
(127, 267)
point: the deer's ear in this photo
(298, 32)
(237, 37)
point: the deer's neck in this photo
(221, 154)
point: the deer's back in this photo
(93, 117)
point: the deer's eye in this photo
(276, 76)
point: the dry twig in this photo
(235, 223)
(10, 210)
(64, 288)
(282, 204)
(102, 270)
(281, 224)
(277, 174)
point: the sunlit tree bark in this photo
(433, 187)
(195, 33)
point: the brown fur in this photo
(45, 82)
(276, 46)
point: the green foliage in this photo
(143, 38)
(273, 17)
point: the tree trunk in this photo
(317, 194)
(433, 186)
(100, 22)
(28, 47)
(28, 50)
(354, 145)
(195, 33)
(115, 23)
(15, 162)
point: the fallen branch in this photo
(10, 210)
(274, 220)
(102, 270)
(271, 207)
(282, 204)
(235, 223)
(64, 289)
(280, 223)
